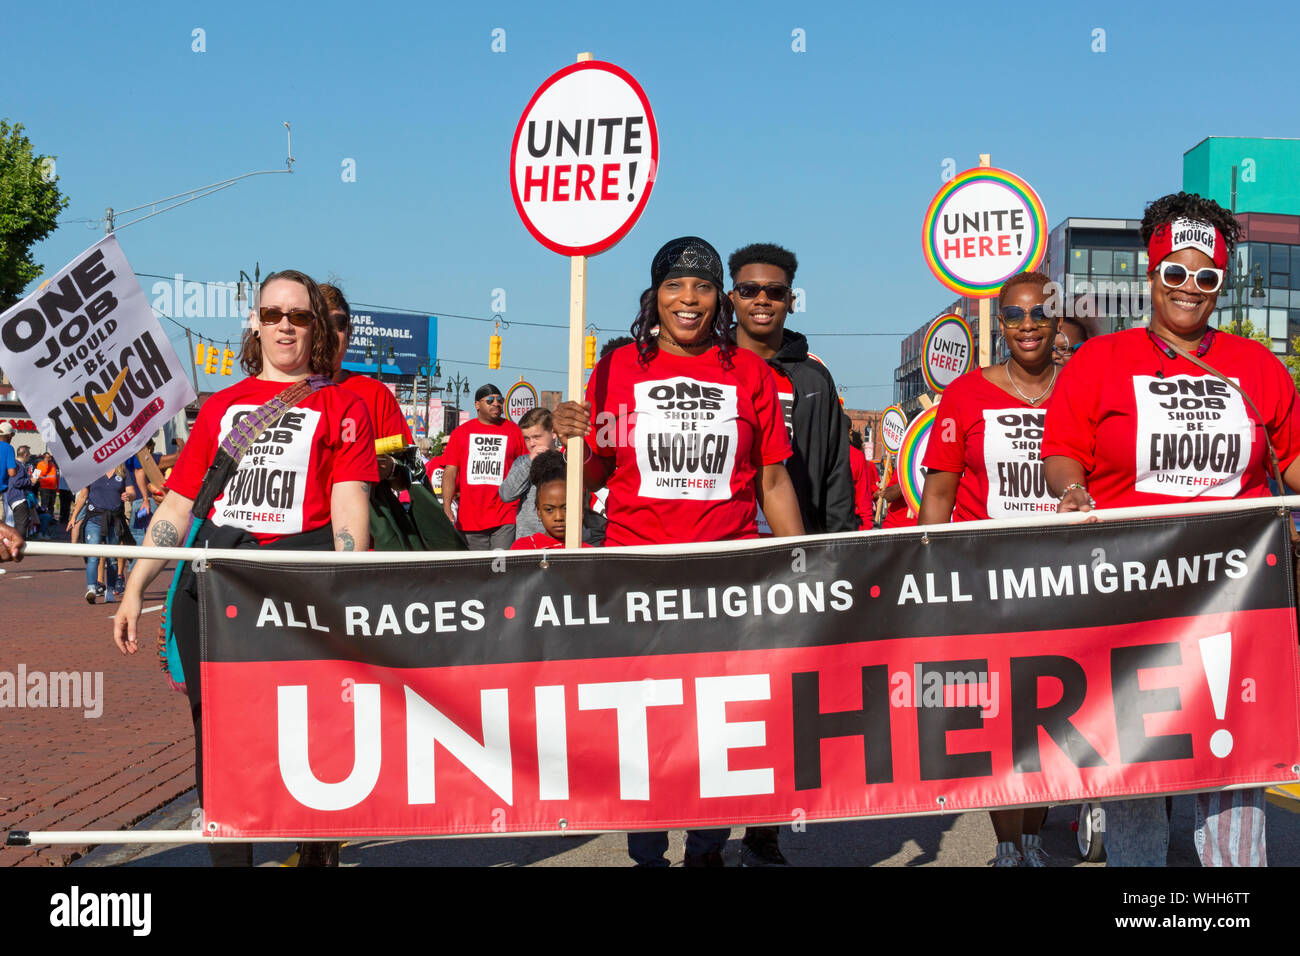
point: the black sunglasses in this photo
(774, 290)
(493, 399)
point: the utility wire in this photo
(495, 318)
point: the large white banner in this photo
(92, 364)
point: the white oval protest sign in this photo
(521, 397)
(946, 351)
(893, 423)
(584, 158)
(984, 226)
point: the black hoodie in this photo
(819, 467)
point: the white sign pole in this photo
(986, 336)
(577, 449)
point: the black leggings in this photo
(185, 625)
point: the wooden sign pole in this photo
(577, 448)
(986, 333)
(884, 483)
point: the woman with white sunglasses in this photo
(1135, 422)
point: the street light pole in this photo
(457, 385)
(1238, 291)
(432, 376)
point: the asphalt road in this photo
(940, 840)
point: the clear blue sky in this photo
(834, 152)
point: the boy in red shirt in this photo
(478, 456)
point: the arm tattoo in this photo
(164, 534)
(344, 538)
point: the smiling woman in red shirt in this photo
(304, 484)
(685, 430)
(983, 461)
(1138, 421)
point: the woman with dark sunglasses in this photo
(686, 432)
(983, 461)
(1116, 438)
(303, 485)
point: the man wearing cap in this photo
(478, 456)
(8, 465)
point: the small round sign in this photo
(893, 423)
(584, 158)
(911, 476)
(947, 351)
(984, 226)
(520, 398)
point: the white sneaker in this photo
(1033, 847)
(1008, 855)
(90, 595)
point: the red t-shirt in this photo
(1149, 429)
(385, 414)
(687, 437)
(539, 542)
(896, 513)
(434, 469)
(282, 485)
(865, 482)
(785, 396)
(482, 455)
(992, 439)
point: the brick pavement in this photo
(62, 770)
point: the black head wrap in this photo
(687, 256)
(484, 391)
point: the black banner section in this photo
(519, 607)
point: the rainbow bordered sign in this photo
(947, 351)
(911, 477)
(520, 398)
(984, 226)
(893, 423)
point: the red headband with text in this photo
(1186, 234)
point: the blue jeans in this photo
(1229, 830)
(94, 535)
(648, 849)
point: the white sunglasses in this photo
(1175, 276)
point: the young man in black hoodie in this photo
(762, 277)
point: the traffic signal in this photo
(210, 368)
(494, 351)
(227, 362)
(589, 352)
(200, 354)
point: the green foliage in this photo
(1292, 361)
(1249, 331)
(30, 203)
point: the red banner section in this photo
(773, 718)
